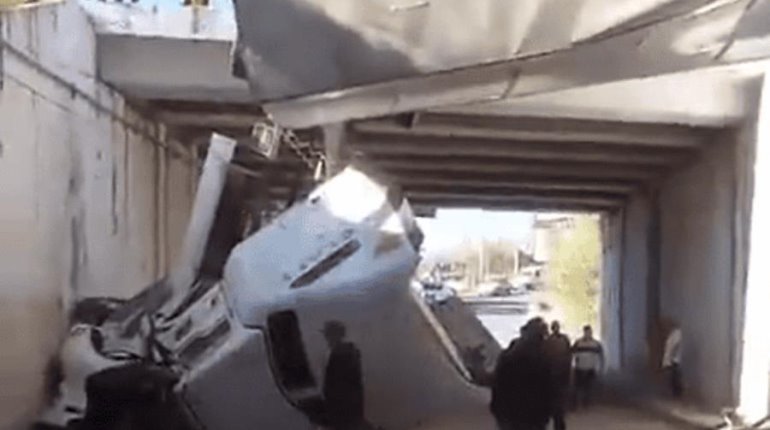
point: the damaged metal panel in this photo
(202, 216)
(387, 61)
(350, 42)
(198, 326)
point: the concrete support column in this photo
(755, 373)
(335, 145)
(162, 266)
(613, 236)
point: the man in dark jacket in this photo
(343, 387)
(559, 350)
(134, 397)
(522, 395)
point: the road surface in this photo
(501, 316)
(601, 417)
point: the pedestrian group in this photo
(536, 374)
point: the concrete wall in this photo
(697, 259)
(92, 200)
(612, 244)
(752, 268)
(674, 253)
(634, 301)
(675, 259)
(625, 287)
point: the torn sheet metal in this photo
(352, 43)
(368, 60)
(236, 346)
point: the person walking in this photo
(559, 352)
(672, 359)
(521, 387)
(589, 362)
(343, 388)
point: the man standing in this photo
(559, 354)
(343, 387)
(672, 358)
(133, 397)
(521, 388)
(589, 361)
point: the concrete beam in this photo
(171, 68)
(481, 194)
(540, 129)
(522, 204)
(530, 169)
(533, 198)
(493, 182)
(711, 98)
(376, 144)
(335, 138)
(203, 106)
(424, 211)
(208, 119)
(203, 114)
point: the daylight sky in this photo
(451, 227)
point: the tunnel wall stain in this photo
(77, 195)
(696, 281)
(676, 254)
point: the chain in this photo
(313, 159)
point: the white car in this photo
(436, 292)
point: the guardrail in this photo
(498, 305)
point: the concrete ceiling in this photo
(703, 97)
(185, 55)
(517, 162)
(566, 131)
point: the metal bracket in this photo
(267, 137)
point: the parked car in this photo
(503, 289)
(434, 292)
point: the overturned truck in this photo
(245, 351)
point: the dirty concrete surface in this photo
(601, 417)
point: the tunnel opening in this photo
(484, 274)
(670, 163)
(674, 205)
(664, 201)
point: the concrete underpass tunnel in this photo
(677, 207)
(675, 204)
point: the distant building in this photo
(549, 229)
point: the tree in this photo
(573, 272)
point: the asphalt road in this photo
(502, 316)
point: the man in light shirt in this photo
(589, 362)
(672, 359)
